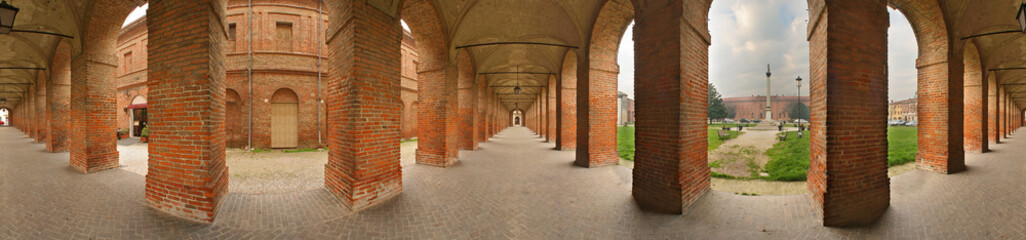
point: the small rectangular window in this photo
(127, 64)
(284, 30)
(231, 32)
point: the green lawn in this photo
(625, 140)
(714, 138)
(789, 160)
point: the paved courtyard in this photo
(515, 186)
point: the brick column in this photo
(438, 121)
(992, 109)
(671, 169)
(596, 96)
(363, 114)
(848, 51)
(940, 110)
(975, 102)
(1001, 111)
(30, 111)
(41, 114)
(467, 99)
(187, 173)
(59, 90)
(481, 126)
(93, 111)
(566, 111)
(551, 112)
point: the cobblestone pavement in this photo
(515, 186)
(260, 172)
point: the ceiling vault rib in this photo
(517, 43)
(991, 33)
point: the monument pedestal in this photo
(765, 125)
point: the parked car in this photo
(897, 123)
(801, 121)
(728, 120)
(912, 123)
(745, 120)
(756, 120)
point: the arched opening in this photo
(137, 115)
(4, 117)
(284, 119)
(974, 101)
(234, 129)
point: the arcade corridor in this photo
(514, 186)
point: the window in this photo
(231, 32)
(284, 30)
(127, 64)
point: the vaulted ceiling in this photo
(469, 22)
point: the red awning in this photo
(137, 105)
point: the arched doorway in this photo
(284, 119)
(4, 117)
(233, 120)
(137, 115)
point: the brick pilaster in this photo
(566, 98)
(59, 102)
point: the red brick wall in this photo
(596, 97)
(975, 101)
(566, 97)
(41, 113)
(278, 64)
(187, 174)
(848, 54)
(551, 109)
(755, 107)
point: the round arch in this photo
(284, 119)
(234, 126)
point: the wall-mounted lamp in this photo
(1021, 16)
(3, 101)
(7, 13)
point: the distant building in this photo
(624, 109)
(754, 107)
(904, 110)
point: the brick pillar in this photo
(975, 102)
(437, 125)
(848, 52)
(481, 129)
(550, 115)
(596, 96)
(59, 91)
(671, 169)
(992, 109)
(940, 110)
(30, 112)
(363, 114)
(40, 102)
(1001, 111)
(566, 98)
(187, 173)
(467, 99)
(93, 111)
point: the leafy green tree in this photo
(798, 109)
(731, 112)
(716, 108)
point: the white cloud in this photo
(902, 51)
(139, 12)
(625, 58)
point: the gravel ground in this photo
(263, 172)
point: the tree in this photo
(731, 112)
(798, 111)
(716, 108)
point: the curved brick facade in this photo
(284, 57)
(755, 107)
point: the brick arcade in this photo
(454, 87)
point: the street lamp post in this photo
(798, 82)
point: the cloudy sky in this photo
(746, 35)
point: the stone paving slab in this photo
(514, 187)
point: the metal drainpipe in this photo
(319, 46)
(249, 71)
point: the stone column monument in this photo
(769, 112)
